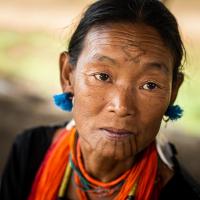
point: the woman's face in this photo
(122, 87)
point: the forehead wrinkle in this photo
(133, 34)
(134, 47)
(114, 36)
(133, 50)
(130, 42)
(128, 39)
(93, 54)
(102, 58)
(128, 31)
(147, 46)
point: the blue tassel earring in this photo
(64, 101)
(173, 112)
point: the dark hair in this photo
(149, 12)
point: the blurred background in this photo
(34, 32)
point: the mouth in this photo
(117, 134)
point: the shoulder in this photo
(25, 157)
(41, 135)
(33, 143)
(181, 186)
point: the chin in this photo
(115, 149)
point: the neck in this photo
(103, 168)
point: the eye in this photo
(102, 77)
(150, 86)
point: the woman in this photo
(120, 76)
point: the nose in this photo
(123, 102)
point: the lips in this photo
(117, 134)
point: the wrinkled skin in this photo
(122, 80)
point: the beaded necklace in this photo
(142, 175)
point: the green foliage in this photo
(189, 95)
(31, 57)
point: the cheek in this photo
(154, 104)
(151, 114)
(89, 102)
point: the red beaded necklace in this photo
(55, 173)
(138, 182)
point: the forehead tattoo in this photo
(133, 52)
(130, 43)
(133, 44)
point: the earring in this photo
(173, 112)
(63, 101)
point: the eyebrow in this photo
(103, 58)
(156, 65)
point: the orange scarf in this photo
(51, 171)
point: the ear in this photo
(175, 87)
(66, 73)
